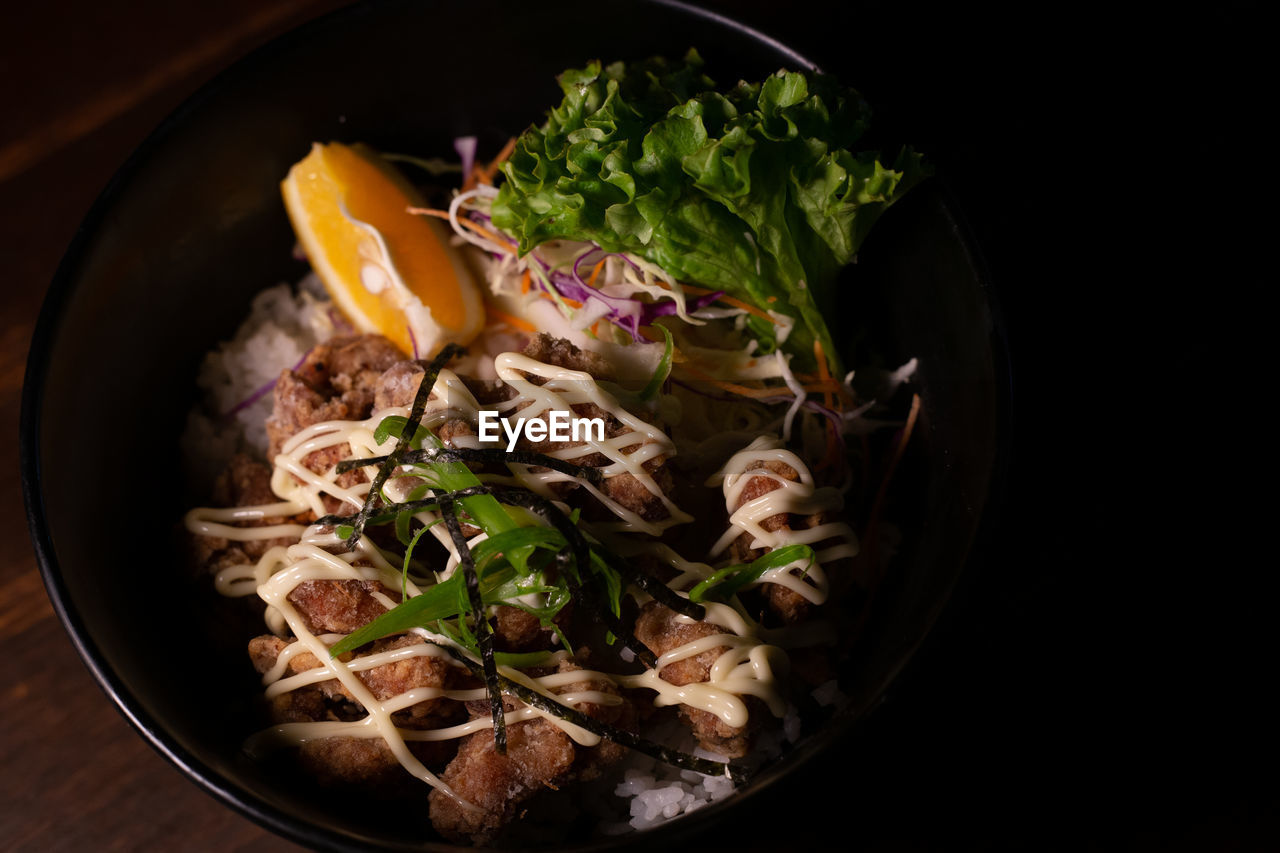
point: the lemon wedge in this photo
(389, 271)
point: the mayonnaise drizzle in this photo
(799, 497)
(746, 668)
(564, 389)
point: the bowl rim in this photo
(62, 286)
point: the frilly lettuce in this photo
(754, 191)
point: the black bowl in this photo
(192, 227)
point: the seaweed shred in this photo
(483, 454)
(581, 552)
(484, 637)
(656, 589)
(737, 772)
(396, 457)
(444, 502)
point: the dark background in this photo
(1092, 684)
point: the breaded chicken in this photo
(622, 488)
(661, 629)
(790, 606)
(539, 755)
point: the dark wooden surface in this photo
(82, 84)
(1034, 720)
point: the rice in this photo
(284, 323)
(659, 793)
(235, 380)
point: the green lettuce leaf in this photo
(755, 191)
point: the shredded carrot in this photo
(572, 303)
(743, 390)
(474, 178)
(491, 171)
(812, 385)
(873, 518)
(780, 390)
(465, 223)
(815, 387)
(526, 281)
(596, 272)
(907, 429)
(821, 356)
(726, 299)
(823, 373)
(510, 320)
(832, 454)
(867, 563)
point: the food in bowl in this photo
(559, 471)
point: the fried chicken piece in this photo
(787, 604)
(305, 704)
(339, 606)
(661, 629)
(539, 755)
(562, 353)
(245, 482)
(365, 760)
(334, 382)
(517, 630)
(398, 386)
(624, 488)
(398, 677)
(385, 681)
(265, 651)
(622, 715)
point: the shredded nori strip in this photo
(482, 454)
(391, 511)
(402, 447)
(582, 555)
(675, 758)
(484, 637)
(580, 551)
(657, 590)
(352, 464)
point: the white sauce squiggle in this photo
(798, 497)
(564, 389)
(746, 668)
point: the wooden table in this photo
(82, 83)
(75, 775)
